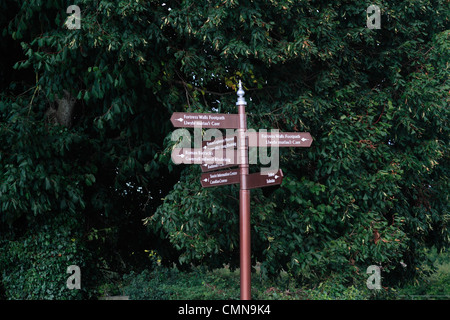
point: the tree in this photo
(94, 165)
(371, 190)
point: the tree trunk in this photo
(63, 115)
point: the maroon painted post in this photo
(244, 199)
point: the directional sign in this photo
(204, 120)
(220, 178)
(220, 143)
(279, 139)
(258, 180)
(204, 156)
(221, 153)
(211, 167)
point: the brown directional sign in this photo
(220, 143)
(207, 156)
(212, 167)
(258, 180)
(279, 139)
(220, 178)
(205, 120)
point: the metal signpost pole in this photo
(244, 199)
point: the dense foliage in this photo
(166, 283)
(372, 189)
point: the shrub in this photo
(34, 266)
(199, 284)
(433, 286)
(169, 283)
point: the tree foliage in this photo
(372, 189)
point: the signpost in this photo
(221, 153)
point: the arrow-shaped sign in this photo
(279, 139)
(221, 143)
(188, 155)
(204, 120)
(220, 178)
(212, 167)
(223, 157)
(258, 180)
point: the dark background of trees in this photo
(372, 189)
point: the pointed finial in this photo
(241, 93)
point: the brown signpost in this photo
(221, 153)
(244, 201)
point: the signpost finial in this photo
(241, 93)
